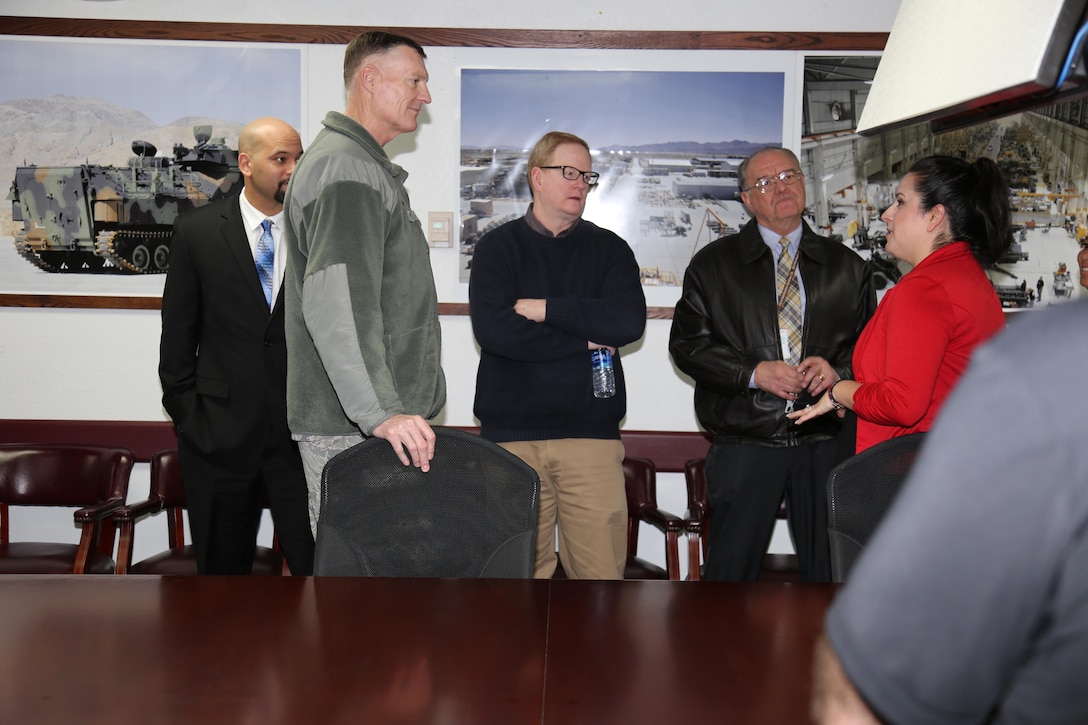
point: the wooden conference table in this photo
(269, 650)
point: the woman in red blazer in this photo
(950, 219)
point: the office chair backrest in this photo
(474, 514)
(859, 492)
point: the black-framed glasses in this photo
(571, 174)
(764, 184)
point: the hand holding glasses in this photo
(789, 177)
(571, 174)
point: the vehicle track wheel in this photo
(141, 257)
(162, 257)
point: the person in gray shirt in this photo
(971, 602)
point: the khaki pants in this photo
(582, 491)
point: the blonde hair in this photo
(544, 149)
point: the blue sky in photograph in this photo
(619, 108)
(166, 82)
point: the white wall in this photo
(699, 15)
(101, 364)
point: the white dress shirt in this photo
(252, 218)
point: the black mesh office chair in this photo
(472, 515)
(859, 492)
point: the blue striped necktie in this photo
(265, 257)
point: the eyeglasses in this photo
(788, 177)
(571, 174)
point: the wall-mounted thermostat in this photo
(440, 229)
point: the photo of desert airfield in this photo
(667, 146)
(668, 199)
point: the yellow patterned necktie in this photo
(789, 302)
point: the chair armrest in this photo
(661, 520)
(694, 520)
(136, 511)
(98, 511)
(695, 523)
(697, 510)
(668, 524)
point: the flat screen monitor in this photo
(955, 63)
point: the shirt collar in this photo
(252, 216)
(539, 228)
(771, 239)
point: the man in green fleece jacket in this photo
(363, 339)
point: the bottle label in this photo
(604, 380)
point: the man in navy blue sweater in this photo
(546, 290)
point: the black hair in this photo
(976, 201)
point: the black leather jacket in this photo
(726, 323)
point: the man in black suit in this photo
(223, 364)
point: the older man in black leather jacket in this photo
(726, 336)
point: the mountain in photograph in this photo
(63, 130)
(735, 147)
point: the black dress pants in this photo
(745, 484)
(225, 509)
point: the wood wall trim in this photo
(669, 450)
(453, 309)
(98, 302)
(448, 37)
(445, 309)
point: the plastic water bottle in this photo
(604, 377)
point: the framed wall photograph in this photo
(667, 141)
(851, 179)
(107, 140)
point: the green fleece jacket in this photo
(363, 339)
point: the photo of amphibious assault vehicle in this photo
(117, 219)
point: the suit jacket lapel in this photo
(237, 240)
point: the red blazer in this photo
(918, 344)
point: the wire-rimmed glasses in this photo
(766, 183)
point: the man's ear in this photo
(245, 164)
(368, 76)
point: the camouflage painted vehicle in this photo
(117, 219)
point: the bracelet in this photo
(831, 396)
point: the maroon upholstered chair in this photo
(179, 559)
(93, 479)
(640, 479)
(776, 567)
(640, 476)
